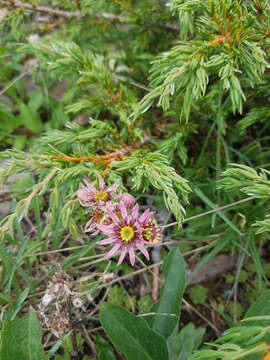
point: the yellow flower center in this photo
(127, 233)
(152, 233)
(147, 234)
(101, 196)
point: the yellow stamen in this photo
(152, 233)
(101, 196)
(127, 233)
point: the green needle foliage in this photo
(248, 340)
(249, 181)
(228, 48)
(171, 100)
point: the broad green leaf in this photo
(259, 308)
(104, 349)
(185, 342)
(36, 100)
(8, 122)
(21, 339)
(58, 117)
(131, 335)
(20, 141)
(29, 117)
(256, 257)
(171, 295)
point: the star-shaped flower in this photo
(89, 195)
(125, 232)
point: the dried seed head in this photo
(55, 311)
(59, 324)
(77, 302)
(59, 288)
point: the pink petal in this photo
(106, 241)
(101, 183)
(128, 219)
(80, 193)
(90, 226)
(145, 217)
(127, 199)
(108, 206)
(131, 256)
(122, 255)
(85, 197)
(135, 211)
(89, 187)
(83, 203)
(113, 216)
(138, 227)
(106, 229)
(84, 194)
(123, 209)
(113, 187)
(112, 251)
(143, 250)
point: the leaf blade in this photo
(131, 335)
(171, 295)
(21, 339)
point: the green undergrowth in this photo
(172, 101)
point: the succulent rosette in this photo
(152, 232)
(100, 215)
(127, 199)
(125, 232)
(117, 216)
(89, 195)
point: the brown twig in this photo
(74, 344)
(155, 284)
(95, 329)
(97, 306)
(56, 12)
(79, 159)
(220, 39)
(192, 308)
(89, 341)
(103, 159)
(213, 211)
(155, 256)
(54, 251)
(159, 314)
(72, 14)
(129, 275)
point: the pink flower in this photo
(127, 199)
(89, 195)
(98, 216)
(125, 232)
(101, 216)
(151, 231)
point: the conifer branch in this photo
(57, 12)
(106, 158)
(72, 14)
(23, 205)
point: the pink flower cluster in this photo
(118, 217)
